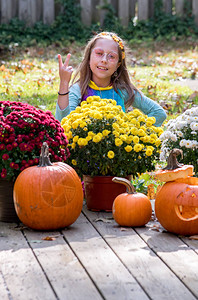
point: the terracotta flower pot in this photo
(100, 192)
(7, 210)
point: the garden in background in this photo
(162, 54)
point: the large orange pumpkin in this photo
(176, 203)
(176, 206)
(131, 208)
(48, 196)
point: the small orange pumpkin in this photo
(131, 208)
(48, 196)
(174, 170)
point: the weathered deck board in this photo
(3, 290)
(110, 276)
(172, 250)
(193, 244)
(151, 273)
(66, 274)
(96, 259)
(23, 275)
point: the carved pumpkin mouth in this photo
(188, 213)
(186, 204)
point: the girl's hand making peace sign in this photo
(65, 71)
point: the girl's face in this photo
(104, 61)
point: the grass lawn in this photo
(31, 74)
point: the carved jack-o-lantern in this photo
(176, 206)
(176, 203)
(48, 196)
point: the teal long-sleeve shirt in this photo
(143, 103)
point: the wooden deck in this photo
(97, 259)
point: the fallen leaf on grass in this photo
(105, 220)
(193, 237)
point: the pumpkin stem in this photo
(44, 160)
(129, 187)
(172, 162)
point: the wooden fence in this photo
(32, 11)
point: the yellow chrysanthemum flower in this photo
(141, 118)
(158, 142)
(123, 137)
(116, 133)
(69, 135)
(88, 138)
(136, 112)
(134, 130)
(118, 142)
(115, 126)
(110, 154)
(149, 123)
(141, 132)
(90, 133)
(136, 139)
(145, 139)
(128, 148)
(75, 124)
(151, 119)
(149, 152)
(106, 132)
(75, 138)
(137, 147)
(74, 162)
(73, 145)
(153, 136)
(129, 139)
(82, 124)
(96, 139)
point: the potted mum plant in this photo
(182, 132)
(105, 142)
(23, 129)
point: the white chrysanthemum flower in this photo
(181, 125)
(163, 154)
(189, 119)
(194, 126)
(173, 137)
(182, 143)
(180, 133)
(194, 144)
(190, 144)
(191, 125)
(193, 111)
(165, 135)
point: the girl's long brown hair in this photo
(122, 81)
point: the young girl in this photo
(103, 73)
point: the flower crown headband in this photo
(116, 39)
